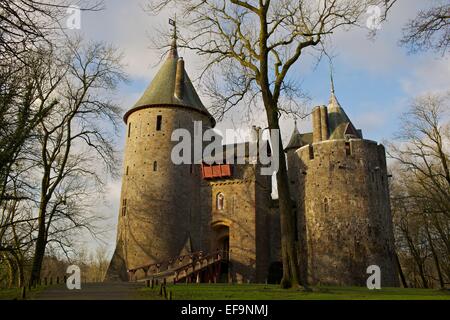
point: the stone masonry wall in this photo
(244, 215)
(160, 201)
(344, 190)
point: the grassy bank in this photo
(16, 294)
(274, 292)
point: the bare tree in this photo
(430, 30)
(25, 99)
(26, 96)
(259, 42)
(28, 29)
(39, 89)
(74, 141)
(421, 193)
(27, 25)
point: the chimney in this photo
(317, 125)
(324, 122)
(179, 79)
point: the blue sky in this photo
(375, 78)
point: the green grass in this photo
(16, 294)
(274, 292)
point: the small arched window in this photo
(220, 201)
(155, 166)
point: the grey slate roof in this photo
(339, 123)
(298, 140)
(161, 90)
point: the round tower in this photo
(159, 199)
(345, 197)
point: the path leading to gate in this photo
(93, 291)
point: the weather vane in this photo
(173, 23)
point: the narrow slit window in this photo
(124, 207)
(311, 152)
(127, 171)
(348, 150)
(129, 129)
(155, 166)
(158, 123)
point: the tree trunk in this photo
(400, 272)
(11, 270)
(416, 256)
(422, 275)
(41, 242)
(435, 258)
(20, 274)
(287, 219)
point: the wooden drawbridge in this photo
(194, 267)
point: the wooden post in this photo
(170, 295)
(161, 290)
(165, 292)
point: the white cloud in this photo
(381, 54)
(430, 74)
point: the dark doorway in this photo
(275, 273)
(221, 243)
(224, 265)
(225, 247)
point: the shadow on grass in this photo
(16, 293)
(274, 292)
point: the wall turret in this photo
(160, 201)
(343, 192)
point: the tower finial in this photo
(332, 80)
(173, 46)
(173, 23)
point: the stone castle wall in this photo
(343, 189)
(339, 190)
(242, 218)
(160, 201)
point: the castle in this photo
(339, 188)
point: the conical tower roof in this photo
(161, 91)
(298, 140)
(338, 122)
